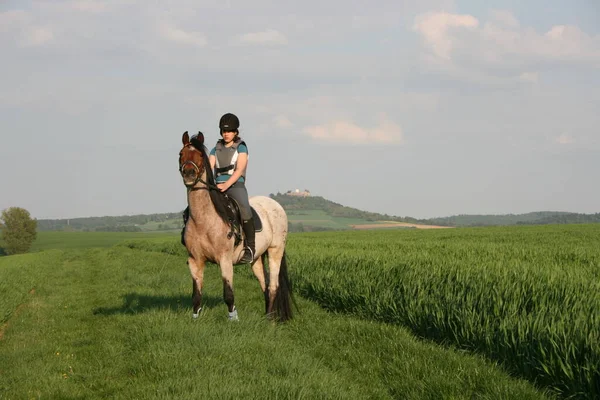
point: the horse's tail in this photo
(284, 296)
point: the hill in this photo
(307, 207)
(315, 213)
(532, 218)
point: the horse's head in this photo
(191, 159)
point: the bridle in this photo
(208, 186)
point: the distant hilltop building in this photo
(297, 192)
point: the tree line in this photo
(122, 223)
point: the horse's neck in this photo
(200, 203)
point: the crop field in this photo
(528, 297)
(494, 313)
(319, 218)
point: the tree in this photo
(19, 230)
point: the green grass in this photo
(164, 226)
(116, 323)
(527, 297)
(320, 219)
(83, 240)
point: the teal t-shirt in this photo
(223, 178)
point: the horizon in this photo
(283, 193)
(407, 108)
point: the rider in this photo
(229, 158)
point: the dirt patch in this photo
(398, 225)
(18, 310)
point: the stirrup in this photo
(251, 255)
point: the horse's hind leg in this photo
(280, 289)
(227, 275)
(197, 271)
(275, 257)
(259, 271)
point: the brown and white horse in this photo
(209, 236)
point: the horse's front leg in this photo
(227, 275)
(197, 271)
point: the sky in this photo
(423, 108)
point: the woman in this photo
(229, 159)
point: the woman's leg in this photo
(240, 194)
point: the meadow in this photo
(527, 297)
(321, 219)
(465, 313)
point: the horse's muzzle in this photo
(189, 176)
(190, 173)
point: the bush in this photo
(18, 230)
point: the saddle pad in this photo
(257, 222)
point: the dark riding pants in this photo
(240, 194)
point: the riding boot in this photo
(186, 216)
(249, 247)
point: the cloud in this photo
(461, 44)
(564, 139)
(531, 77)
(90, 6)
(345, 132)
(178, 35)
(435, 29)
(283, 122)
(37, 36)
(270, 37)
(121, 30)
(24, 30)
(13, 18)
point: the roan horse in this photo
(212, 234)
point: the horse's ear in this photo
(200, 137)
(185, 138)
(198, 140)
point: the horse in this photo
(212, 233)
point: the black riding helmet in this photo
(229, 122)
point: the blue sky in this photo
(423, 109)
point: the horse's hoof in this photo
(197, 314)
(233, 316)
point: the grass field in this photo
(320, 219)
(162, 226)
(527, 297)
(84, 240)
(108, 315)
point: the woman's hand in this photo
(223, 186)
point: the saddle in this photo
(235, 219)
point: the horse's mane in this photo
(217, 197)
